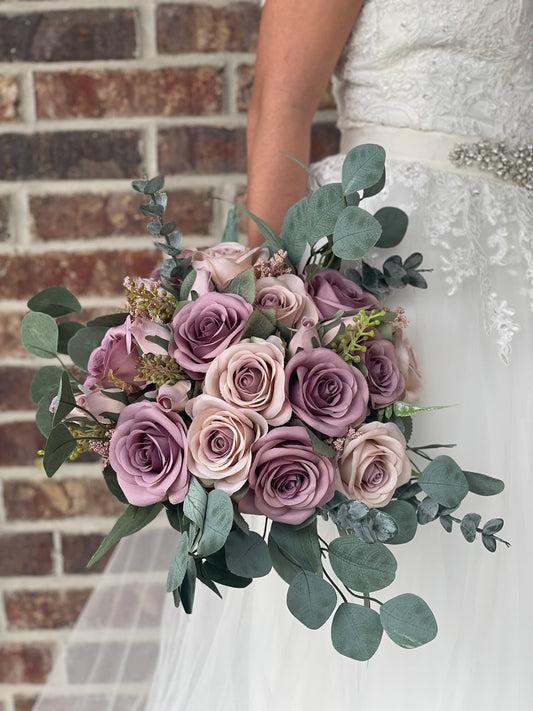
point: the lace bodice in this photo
(459, 66)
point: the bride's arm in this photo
(299, 44)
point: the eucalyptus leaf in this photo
(469, 526)
(299, 545)
(325, 206)
(444, 481)
(161, 199)
(428, 510)
(45, 380)
(66, 331)
(138, 185)
(231, 229)
(377, 188)
(109, 320)
(54, 301)
(43, 416)
(65, 400)
(247, 555)
(154, 185)
(217, 523)
(187, 284)
(154, 228)
(204, 578)
(168, 227)
(152, 210)
(483, 485)
(59, 446)
(112, 484)
(356, 631)
(83, 343)
(271, 239)
(187, 588)
(408, 621)
(261, 324)
(394, 224)
(132, 520)
(489, 542)
(493, 526)
(405, 516)
(362, 566)
(446, 522)
(295, 230)
(282, 562)
(40, 334)
(356, 232)
(216, 569)
(363, 167)
(178, 566)
(195, 503)
(243, 285)
(311, 599)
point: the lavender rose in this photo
(287, 479)
(374, 464)
(409, 367)
(251, 374)
(148, 452)
(173, 398)
(331, 291)
(220, 441)
(116, 359)
(326, 392)
(385, 382)
(205, 328)
(286, 294)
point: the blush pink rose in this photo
(173, 398)
(409, 368)
(220, 441)
(332, 291)
(205, 328)
(325, 392)
(286, 294)
(288, 479)
(226, 260)
(148, 452)
(374, 464)
(251, 374)
(305, 338)
(140, 328)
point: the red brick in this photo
(114, 214)
(4, 219)
(68, 35)
(44, 609)
(19, 443)
(9, 97)
(83, 273)
(173, 91)
(245, 77)
(25, 703)
(51, 498)
(15, 388)
(205, 149)
(25, 663)
(202, 28)
(25, 554)
(78, 550)
(325, 140)
(70, 154)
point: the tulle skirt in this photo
(247, 652)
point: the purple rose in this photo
(287, 479)
(326, 392)
(116, 359)
(148, 452)
(206, 327)
(331, 291)
(385, 382)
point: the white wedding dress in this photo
(417, 76)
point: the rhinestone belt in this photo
(511, 163)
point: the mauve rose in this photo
(220, 441)
(95, 401)
(205, 328)
(148, 452)
(409, 368)
(306, 336)
(286, 294)
(226, 260)
(385, 382)
(173, 398)
(117, 353)
(251, 374)
(374, 464)
(287, 479)
(326, 392)
(331, 291)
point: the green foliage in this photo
(43, 416)
(231, 229)
(247, 555)
(325, 206)
(261, 324)
(377, 187)
(483, 485)
(311, 599)
(356, 631)
(65, 401)
(40, 334)
(216, 569)
(108, 321)
(299, 546)
(66, 331)
(362, 566)
(243, 285)
(444, 481)
(54, 301)
(295, 231)
(132, 520)
(178, 566)
(195, 503)
(408, 621)
(271, 239)
(45, 381)
(83, 343)
(362, 168)
(187, 588)
(217, 523)
(59, 446)
(394, 224)
(112, 484)
(355, 233)
(405, 516)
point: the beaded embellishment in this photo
(507, 162)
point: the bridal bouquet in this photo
(270, 381)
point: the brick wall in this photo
(93, 93)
